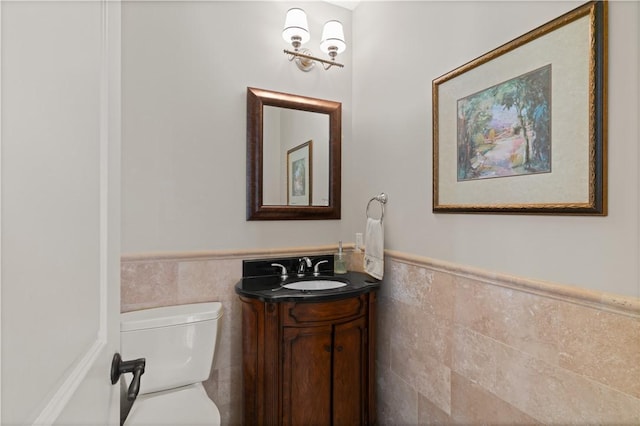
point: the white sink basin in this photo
(315, 285)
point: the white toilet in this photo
(178, 343)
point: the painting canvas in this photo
(505, 130)
(299, 172)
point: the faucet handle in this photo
(316, 270)
(283, 270)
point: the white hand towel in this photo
(374, 248)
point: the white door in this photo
(60, 211)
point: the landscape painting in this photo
(299, 174)
(505, 130)
(299, 178)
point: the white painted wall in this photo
(392, 129)
(185, 71)
(186, 66)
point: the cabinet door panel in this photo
(306, 383)
(349, 375)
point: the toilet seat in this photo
(188, 405)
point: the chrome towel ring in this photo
(382, 199)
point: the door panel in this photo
(306, 376)
(60, 149)
(349, 372)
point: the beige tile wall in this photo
(455, 345)
(153, 282)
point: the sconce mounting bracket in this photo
(305, 61)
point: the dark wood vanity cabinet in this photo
(309, 362)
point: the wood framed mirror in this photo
(293, 156)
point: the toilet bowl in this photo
(188, 405)
(178, 343)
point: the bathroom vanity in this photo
(308, 356)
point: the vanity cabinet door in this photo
(350, 372)
(324, 372)
(306, 374)
(309, 363)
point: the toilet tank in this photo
(178, 343)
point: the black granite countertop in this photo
(261, 287)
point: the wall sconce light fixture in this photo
(296, 32)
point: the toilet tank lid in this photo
(170, 315)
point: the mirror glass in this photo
(293, 156)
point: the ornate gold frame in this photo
(596, 204)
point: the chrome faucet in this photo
(304, 262)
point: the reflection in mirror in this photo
(293, 156)
(288, 179)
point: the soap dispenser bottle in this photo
(339, 261)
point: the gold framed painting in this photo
(523, 128)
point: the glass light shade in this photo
(295, 24)
(333, 36)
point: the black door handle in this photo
(119, 367)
